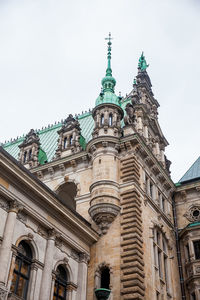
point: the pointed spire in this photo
(109, 70)
(142, 64)
(108, 82)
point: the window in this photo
(70, 140)
(110, 120)
(65, 142)
(197, 249)
(25, 155)
(30, 154)
(161, 256)
(105, 278)
(102, 119)
(193, 296)
(21, 274)
(187, 252)
(60, 287)
(151, 189)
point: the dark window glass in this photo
(105, 278)
(25, 155)
(188, 252)
(65, 143)
(197, 249)
(193, 296)
(21, 275)
(30, 154)
(70, 140)
(60, 287)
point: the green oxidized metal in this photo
(108, 82)
(102, 294)
(142, 65)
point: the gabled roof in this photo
(49, 136)
(192, 173)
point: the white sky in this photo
(53, 57)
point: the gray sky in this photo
(53, 57)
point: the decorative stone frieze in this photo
(3, 292)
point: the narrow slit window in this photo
(110, 119)
(197, 249)
(102, 119)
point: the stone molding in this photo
(193, 213)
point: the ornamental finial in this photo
(142, 64)
(109, 70)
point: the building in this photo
(107, 169)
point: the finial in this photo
(109, 70)
(142, 65)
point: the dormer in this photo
(29, 150)
(69, 138)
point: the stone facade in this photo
(119, 182)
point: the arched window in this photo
(105, 277)
(65, 142)
(30, 154)
(110, 119)
(102, 119)
(21, 274)
(25, 155)
(60, 287)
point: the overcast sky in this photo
(53, 57)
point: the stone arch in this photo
(64, 262)
(98, 273)
(67, 191)
(29, 240)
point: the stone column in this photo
(5, 250)
(82, 276)
(45, 288)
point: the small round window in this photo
(196, 213)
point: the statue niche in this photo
(130, 115)
(69, 138)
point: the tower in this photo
(107, 115)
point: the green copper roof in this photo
(107, 97)
(107, 94)
(193, 172)
(49, 138)
(194, 224)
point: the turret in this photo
(107, 114)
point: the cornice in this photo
(140, 141)
(77, 222)
(57, 162)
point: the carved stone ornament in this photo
(130, 117)
(193, 214)
(103, 214)
(30, 138)
(3, 293)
